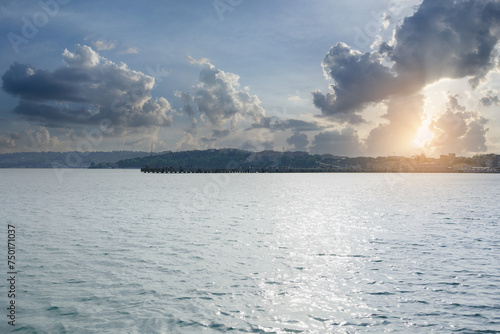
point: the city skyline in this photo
(392, 78)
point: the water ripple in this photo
(268, 254)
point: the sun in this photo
(424, 135)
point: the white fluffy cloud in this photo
(83, 57)
(219, 97)
(220, 106)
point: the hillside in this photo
(232, 158)
(65, 159)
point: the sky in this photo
(348, 78)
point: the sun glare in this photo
(424, 135)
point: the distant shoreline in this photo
(235, 160)
(219, 171)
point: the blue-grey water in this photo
(117, 251)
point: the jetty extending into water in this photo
(185, 170)
(193, 170)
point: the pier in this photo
(241, 170)
(188, 170)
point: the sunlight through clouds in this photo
(266, 87)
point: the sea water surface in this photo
(118, 251)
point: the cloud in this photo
(201, 61)
(264, 132)
(358, 79)
(475, 137)
(277, 124)
(130, 50)
(386, 20)
(37, 85)
(51, 115)
(442, 39)
(220, 133)
(296, 99)
(404, 115)
(459, 130)
(188, 142)
(345, 143)
(9, 142)
(299, 141)
(447, 39)
(102, 45)
(88, 90)
(6, 142)
(145, 141)
(220, 105)
(218, 96)
(83, 58)
(14, 135)
(39, 139)
(188, 108)
(491, 98)
(262, 146)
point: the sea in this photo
(119, 251)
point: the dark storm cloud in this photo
(51, 115)
(447, 39)
(442, 39)
(358, 79)
(32, 84)
(87, 90)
